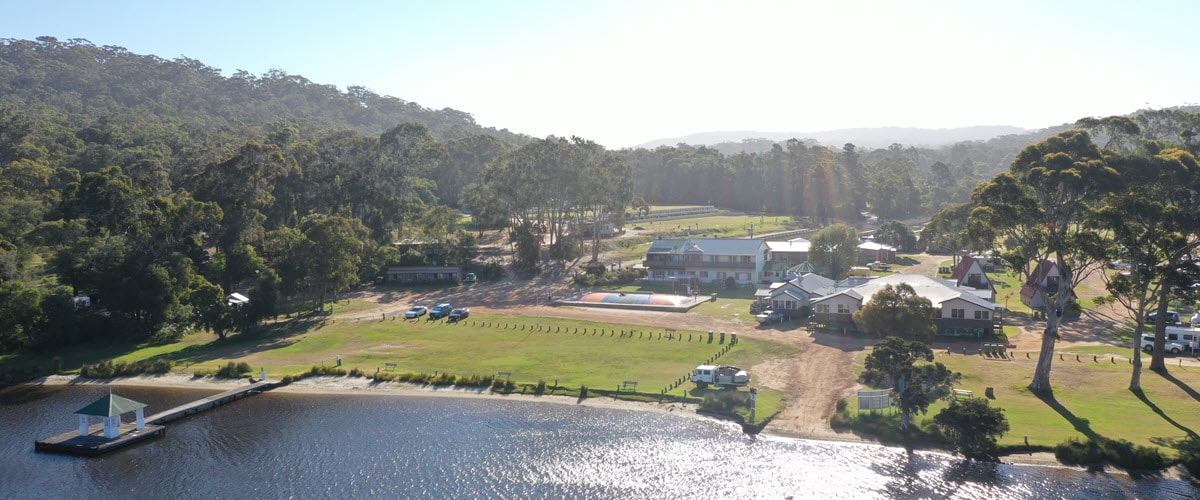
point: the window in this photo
(843, 309)
(747, 259)
(823, 308)
(720, 275)
(938, 313)
(958, 313)
(981, 315)
(703, 274)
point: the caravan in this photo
(1189, 337)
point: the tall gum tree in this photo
(1154, 225)
(1037, 210)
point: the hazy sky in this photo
(625, 72)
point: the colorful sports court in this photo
(636, 300)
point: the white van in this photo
(1171, 347)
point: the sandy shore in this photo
(363, 386)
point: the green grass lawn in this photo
(726, 226)
(573, 353)
(1090, 398)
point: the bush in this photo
(541, 388)
(108, 369)
(725, 401)
(1119, 452)
(232, 370)
(583, 391)
(620, 277)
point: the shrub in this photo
(108, 369)
(725, 401)
(583, 391)
(233, 370)
(541, 387)
(1119, 452)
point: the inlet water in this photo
(278, 445)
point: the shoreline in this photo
(326, 385)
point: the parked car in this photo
(1171, 347)
(769, 316)
(458, 314)
(470, 278)
(879, 266)
(416, 312)
(1172, 317)
(439, 311)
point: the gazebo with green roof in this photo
(110, 408)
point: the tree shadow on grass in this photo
(1179, 383)
(1081, 424)
(272, 336)
(1153, 407)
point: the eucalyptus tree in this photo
(1037, 211)
(409, 157)
(1154, 225)
(603, 187)
(834, 249)
(243, 186)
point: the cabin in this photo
(1045, 276)
(970, 274)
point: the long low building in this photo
(959, 311)
(706, 260)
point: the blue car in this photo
(440, 310)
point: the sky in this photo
(626, 72)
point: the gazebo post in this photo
(83, 425)
(112, 427)
(141, 418)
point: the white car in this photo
(769, 316)
(1168, 346)
(416, 312)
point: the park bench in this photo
(628, 384)
(963, 393)
(391, 367)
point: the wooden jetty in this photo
(95, 443)
(211, 402)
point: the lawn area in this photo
(573, 353)
(1091, 399)
(725, 226)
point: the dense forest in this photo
(157, 187)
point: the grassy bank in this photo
(527, 350)
(1091, 399)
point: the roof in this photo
(804, 268)
(237, 298)
(1042, 270)
(422, 269)
(871, 245)
(934, 289)
(791, 246)
(812, 282)
(849, 292)
(110, 406)
(963, 266)
(709, 246)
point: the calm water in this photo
(305, 446)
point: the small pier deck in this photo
(96, 444)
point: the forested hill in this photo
(85, 82)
